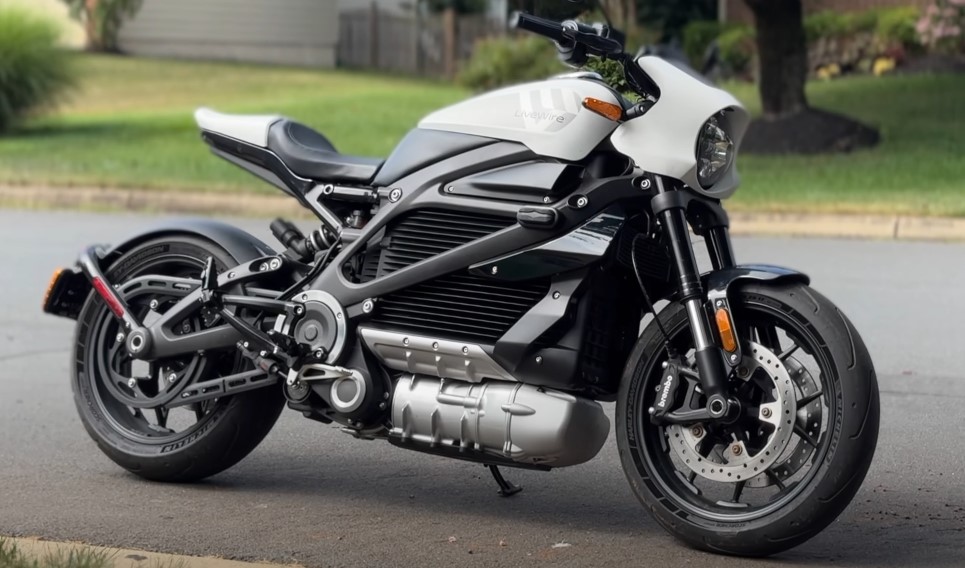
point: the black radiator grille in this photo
(460, 307)
(426, 233)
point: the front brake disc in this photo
(809, 419)
(736, 461)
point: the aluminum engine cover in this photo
(516, 421)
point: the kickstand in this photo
(506, 489)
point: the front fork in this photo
(670, 207)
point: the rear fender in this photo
(70, 289)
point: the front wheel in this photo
(793, 458)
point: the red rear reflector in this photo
(112, 302)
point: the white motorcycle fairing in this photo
(547, 117)
(664, 140)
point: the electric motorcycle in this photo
(478, 293)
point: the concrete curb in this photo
(880, 227)
(126, 558)
(104, 199)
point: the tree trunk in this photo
(617, 10)
(94, 40)
(782, 51)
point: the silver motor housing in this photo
(520, 422)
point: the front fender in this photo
(718, 282)
(70, 288)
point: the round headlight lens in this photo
(715, 152)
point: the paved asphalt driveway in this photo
(311, 495)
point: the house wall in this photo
(285, 32)
(396, 7)
(73, 33)
(496, 10)
(737, 10)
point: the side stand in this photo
(506, 489)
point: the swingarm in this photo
(158, 339)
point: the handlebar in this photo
(576, 40)
(542, 26)
(596, 38)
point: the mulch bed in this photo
(812, 131)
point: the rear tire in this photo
(226, 429)
(806, 501)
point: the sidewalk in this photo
(881, 227)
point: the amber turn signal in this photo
(50, 286)
(727, 338)
(603, 108)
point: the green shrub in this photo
(613, 73)
(829, 24)
(697, 37)
(861, 22)
(825, 24)
(896, 26)
(737, 48)
(503, 61)
(34, 72)
(893, 24)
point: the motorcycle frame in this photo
(667, 200)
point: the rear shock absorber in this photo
(293, 239)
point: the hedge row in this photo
(34, 71)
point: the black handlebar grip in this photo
(549, 28)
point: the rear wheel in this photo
(122, 401)
(793, 458)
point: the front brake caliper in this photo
(667, 391)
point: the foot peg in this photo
(506, 489)
(209, 282)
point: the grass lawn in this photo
(12, 557)
(919, 168)
(129, 124)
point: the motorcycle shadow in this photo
(883, 527)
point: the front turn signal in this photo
(727, 338)
(603, 108)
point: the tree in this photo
(102, 20)
(790, 125)
(783, 54)
(670, 18)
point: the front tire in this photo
(181, 444)
(828, 449)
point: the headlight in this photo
(715, 152)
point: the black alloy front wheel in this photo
(789, 463)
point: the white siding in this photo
(395, 7)
(288, 32)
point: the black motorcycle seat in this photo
(310, 155)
